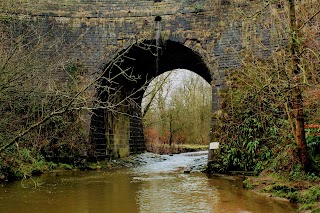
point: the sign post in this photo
(213, 147)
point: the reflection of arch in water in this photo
(117, 134)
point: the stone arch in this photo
(119, 133)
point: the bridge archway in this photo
(176, 110)
(116, 130)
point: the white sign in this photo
(214, 145)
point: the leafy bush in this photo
(251, 131)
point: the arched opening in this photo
(176, 112)
(116, 126)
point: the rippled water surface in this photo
(160, 185)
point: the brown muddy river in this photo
(159, 185)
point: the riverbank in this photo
(157, 184)
(36, 168)
(27, 171)
(160, 148)
(22, 164)
(303, 191)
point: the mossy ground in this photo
(304, 191)
(26, 171)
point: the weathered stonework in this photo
(97, 29)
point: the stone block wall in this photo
(95, 30)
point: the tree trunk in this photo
(171, 131)
(299, 133)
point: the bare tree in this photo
(182, 115)
(278, 68)
(31, 96)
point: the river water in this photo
(160, 184)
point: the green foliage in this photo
(248, 184)
(65, 166)
(313, 143)
(281, 190)
(28, 93)
(257, 123)
(251, 130)
(313, 137)
(19, 162)
(66, 138)
(307, 197)
(312, 195)
(199, 8)
(60, 139)
(71, 69)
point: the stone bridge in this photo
(154, 36)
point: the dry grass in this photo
(161, 148)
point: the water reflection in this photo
(72, 192)
(165, 188)
(156, 187)
(176, 193)
(197, 193)
(234, 199)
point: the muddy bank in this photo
(305, 193)
(145, 183)
(104, 165)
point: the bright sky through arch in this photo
(176, 78)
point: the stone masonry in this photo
(199, 35)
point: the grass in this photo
(305, 191)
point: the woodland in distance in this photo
(269, 122)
